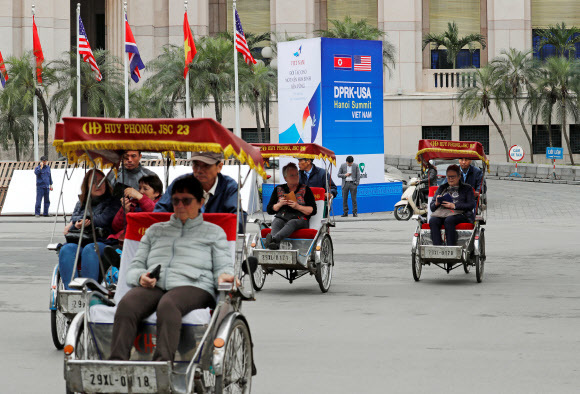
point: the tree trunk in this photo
(550, 127)
(507, 155)
(16, 146)
(38, 94)
(524, 127)
(564, 131)
(258, 124)
(218, 112)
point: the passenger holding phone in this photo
(453, 203)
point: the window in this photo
(552, 12)
(541, 139)
(475, 133)
(465, 59)
(251, 135)
(575, 138)
(356, 9)
(436, 133)
(549, 50)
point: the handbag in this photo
(74, 234)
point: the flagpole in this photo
(237, 131)
(35, 109)
(125, 58)
(187, 105)
(78, 63)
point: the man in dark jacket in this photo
(312, 176)
(43, 186)
(220, 191)
(131, 171)
(471, 175)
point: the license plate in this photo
(276, 258)
(431, 252)
(75, 303)
(119, 380)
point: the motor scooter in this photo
(413, 201)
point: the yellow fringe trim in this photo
(299, 155)
(70, 149)
(458, 151)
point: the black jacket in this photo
(474, 178)
(317, 179)
(309, 201)
(465, 202)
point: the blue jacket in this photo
(225, 199)
(43, 177)
(465, 201)
(317, 179)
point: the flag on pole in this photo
(3, 72)
(188, 45)
(85, 50)
(135, 62)
(37, 49)
(241, 43)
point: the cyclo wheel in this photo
(403, 212)
(237, 367)
(259, 277)
(417, 266)
(467, 266)
(324, 268)
(58, 321)
(480, 260)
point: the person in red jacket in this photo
(143, 200)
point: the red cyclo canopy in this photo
(308, 151)
(444, 149)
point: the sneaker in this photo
(344, 215)
(354, 215)
(268, 241)
(273, 246)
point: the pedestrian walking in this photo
(43, 186)
(350, 174)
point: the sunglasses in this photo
(186, 201)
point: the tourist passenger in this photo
(292, 204)
(453, 203)
(195, 258)
(103, 209)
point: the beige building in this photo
(420, 94)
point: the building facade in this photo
(420, 95)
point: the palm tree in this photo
(452, 42)
(361, 30)
(517, 71)
(15, 124)
(478, 97)
(104, 97)
(22, 78)
(144, 102)
(563, 38)
(257, 84)
(558, 86)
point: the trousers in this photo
(450, 234)
(88, 262)
(170, 306)
(42, 193)
(282, 229)
(349, 186)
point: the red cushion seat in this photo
(460, 226)
(305, 233)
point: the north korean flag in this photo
(342, 62)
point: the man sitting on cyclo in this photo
(293, 204)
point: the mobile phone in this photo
(155, 273)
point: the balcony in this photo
(449, 80)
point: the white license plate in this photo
(440, 253)
(276, 258)
(119, 380)
(75, 303)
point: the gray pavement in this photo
(376, 330)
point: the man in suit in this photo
(350, 174)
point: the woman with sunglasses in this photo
(453, 203)
(194, 257)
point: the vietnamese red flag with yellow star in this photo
(37, 49)
(188, 45)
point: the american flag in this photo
(85, 50)
(241, 43)
(362, 63)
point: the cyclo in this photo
(470, 249)
(215, 353)
(306, 251)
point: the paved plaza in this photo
(376, 330)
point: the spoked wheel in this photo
(403, 212)
(58, 322)
(417, 266)
(92, 353)
(480, 260)
(467, 266)
(324, 268)
(237, 372)
(259, 278)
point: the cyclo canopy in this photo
(444, 149)
(308, 151)
(104, 140)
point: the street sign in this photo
(554, 153)
(516, 153)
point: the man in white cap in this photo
(220, 191)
